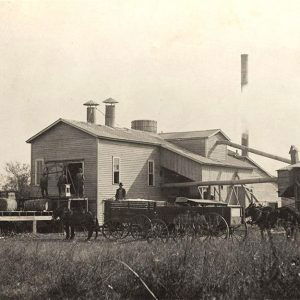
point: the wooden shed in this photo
(287, 178)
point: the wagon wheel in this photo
(119, 230)
(159, 230)
(199, 224)
(183, 226)
(112, 230)
(140, 227)
(106, 230)
(126, 229)
(214, 226)
(238, 233)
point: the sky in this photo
(177, 62)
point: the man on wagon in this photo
(120, 192)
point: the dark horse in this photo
(267, 218)
(72, 219)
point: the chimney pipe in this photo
(91, 111)
(110, 112)
(294, 155)
(245, 142)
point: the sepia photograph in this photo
(149, 149)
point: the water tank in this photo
(144, 125)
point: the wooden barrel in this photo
(8, 204)
(37, 205)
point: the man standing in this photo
(44, 185)
(80, 183)
(120, 193)
(62, 181)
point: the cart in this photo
(151, 220)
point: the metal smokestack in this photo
(245, 142)
(110, 112)
(91, 111)
(294, 155)
(244, 70)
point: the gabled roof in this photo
(192, 134)
(134, 136)
(233, 157)
(107, 132)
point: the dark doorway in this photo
(72, 170)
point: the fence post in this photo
(34, 231)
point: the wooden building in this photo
(139, 158)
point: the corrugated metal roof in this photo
(117, 133)
(290, 167)
(136, 136)
(192, 134)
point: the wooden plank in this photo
(24, 218)
(222, 182)
(252, 150)
(236, 196)
(26, 213)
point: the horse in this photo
(72, 219)
(290, 220)
(267, 218)
(264, 217)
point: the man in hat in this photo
(80, 183)
(120, 192)
(62, 181)
(44, 185)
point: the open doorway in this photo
(72, 169)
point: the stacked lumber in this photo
(37, 205)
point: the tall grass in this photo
(56, 269)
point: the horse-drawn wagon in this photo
(148, 219)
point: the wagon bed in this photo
(143, 212)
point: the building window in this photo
(39, 166)
(150, 172)
(116, 170)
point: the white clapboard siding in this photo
(133, 171)
(181, 165)
(263, 191)
(64, 142)
(214, 151)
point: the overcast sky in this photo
(177, 62)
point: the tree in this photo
(17, 178)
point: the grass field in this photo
(46, 266)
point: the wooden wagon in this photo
(147, 219)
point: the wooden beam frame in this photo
(252, 150)
(222, 182)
